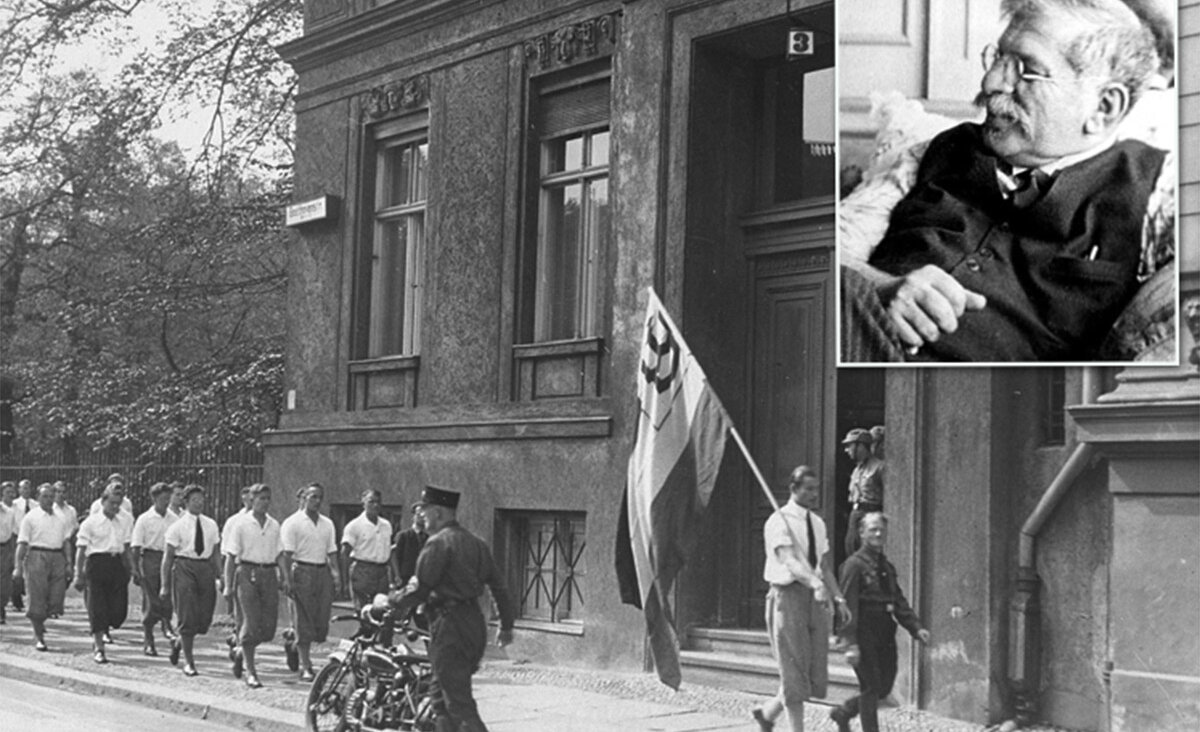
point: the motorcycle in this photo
(370, 684)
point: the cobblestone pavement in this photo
(543, 691)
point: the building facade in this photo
(496, 184)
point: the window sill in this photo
(388, 381)
(558, 369)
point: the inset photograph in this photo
(1008, 182)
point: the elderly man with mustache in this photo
(1022, 238)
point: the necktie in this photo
(812, 540)
(199, 539)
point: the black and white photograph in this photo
(1017, 201)
(600, 365)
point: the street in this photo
(42, 708)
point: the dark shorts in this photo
(312, 588)
(366, 581)
(195, 594)
(45, 583)
(154, 607)
(107, 594)
(257, 591)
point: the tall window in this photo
(569, 164)
(573, 226)
(398, 245)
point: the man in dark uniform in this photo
(452, 570)
(407, 547)
(876, 603)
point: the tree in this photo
(142, 282)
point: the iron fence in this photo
(222, 471)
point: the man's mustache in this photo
(998, 105)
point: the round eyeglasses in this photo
(992, 55)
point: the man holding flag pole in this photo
(681, 433)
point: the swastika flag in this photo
(681, 435)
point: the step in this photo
(729, 640)
(759, 674)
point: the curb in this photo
(229, 712)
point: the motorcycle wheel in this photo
(327, 698)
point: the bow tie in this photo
(1028, 185)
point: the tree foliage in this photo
(142, 278)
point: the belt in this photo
(151, 551)
(44, 549)
(449, 604)
(309, 564)
(373, 564)
(256, 565)
(104, 554)
(194, 559)
(867, 507)
(876, 606)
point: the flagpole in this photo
(754, 467)
(766, 489)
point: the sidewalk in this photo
(513, 696)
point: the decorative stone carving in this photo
(396, 97)
(578, 41)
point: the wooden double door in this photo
(791, 389)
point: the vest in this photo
(1056, 273)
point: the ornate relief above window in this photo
(572, 43)
(395, 98)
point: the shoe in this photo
(190, 670)
(99, 657)
(40, 645)
(307, 675)
(289, 650)
(253, 682)
(176, 647)
(238, 662)
(840, 718)
(108, 638)
(764, 724)
(149, 650)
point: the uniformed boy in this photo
(876, 604)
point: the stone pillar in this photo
(1148, 428)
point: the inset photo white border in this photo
(910, 69)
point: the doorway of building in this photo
(860, 403)
(758, 276)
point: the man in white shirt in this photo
(231, 597)
(66, 509)
(176, 507)
(798, 569)
(42, 562)
(253, 565)
(149, 544)
(117, 484)
(103, 567)
(367, 551)
(8, 545)
(311, 551)
(191, 567)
